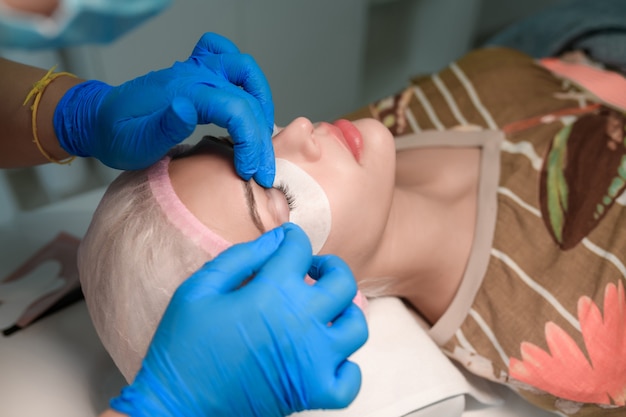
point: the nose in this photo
(297, 141)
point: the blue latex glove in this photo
(265, 349)
(133, 125)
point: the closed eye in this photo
(291, 199)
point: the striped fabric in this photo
(549, 317)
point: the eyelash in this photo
(291, 199)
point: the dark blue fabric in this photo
(596, 26)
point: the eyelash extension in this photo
(291, 199)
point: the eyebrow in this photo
(252, 209)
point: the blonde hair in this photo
(134, 255)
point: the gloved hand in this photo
(270, 348)
(133, 125)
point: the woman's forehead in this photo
(207, 184)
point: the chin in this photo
(379, 150)
(373, 129)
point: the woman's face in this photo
(353, 163)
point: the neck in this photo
(426, 245)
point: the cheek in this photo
(360, 203)
(358, 222)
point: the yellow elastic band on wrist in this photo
(38, 89)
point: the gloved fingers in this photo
(239, 69)
(266, 169)
(212, 43)
(289, 263)
(243, 71)
(250, 148)
(176, 123)
(254, 154)
(155, 133)
(240, 113)
(232, 267)
(335, 286)
(343, 391)
(348, 332)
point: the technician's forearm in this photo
(17, 148)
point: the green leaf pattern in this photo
(556, 182)
(600, 155)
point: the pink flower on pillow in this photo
(565, 371)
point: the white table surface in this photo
(56, 366)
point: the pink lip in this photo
(349, 135)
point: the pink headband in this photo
(178, 214)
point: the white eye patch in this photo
(312, 209)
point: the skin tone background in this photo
(44, 7)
